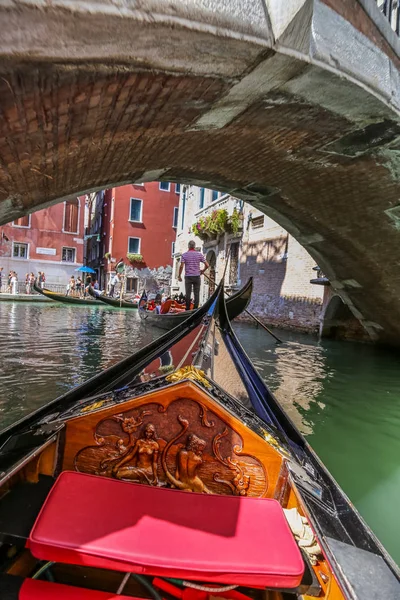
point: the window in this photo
(23, 221)
(214, 195)
(173, 249)
(175, 219)
(135, 213)
(131, 284)
(134, 245)
(177, 188)
(20, 250)
(257, 222)
(165, 186)
(71, 215)
(68, 255)
(201, 203)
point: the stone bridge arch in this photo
(292, 106)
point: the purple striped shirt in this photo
(192, 259)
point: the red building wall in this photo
(155, 231)
(44, 233)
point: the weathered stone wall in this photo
(282, 294)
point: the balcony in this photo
(218, 222)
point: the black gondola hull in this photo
(235, 305)
(65, 299)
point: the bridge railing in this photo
(391, 10)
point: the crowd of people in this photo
(12, 285)
(78, 287)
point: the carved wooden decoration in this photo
(183, 445)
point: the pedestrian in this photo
(113, 282)
(72, 283)
(96, 285)
(10, 274)
(1, 275)
(14, 283)
(41, 279)
(31, 282)
(27, 286)
(79, 283)
(88, 283)
(191, 261)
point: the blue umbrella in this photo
(85, 270)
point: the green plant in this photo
(107, 255)
(235, 221)
(134, 258)
(218, 222)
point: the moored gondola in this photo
(114, 302)
(105, 468)
(89, 301)
(235, 305)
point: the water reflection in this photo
(48, 349)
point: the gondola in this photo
(94, 501)
(235, 305)
(64, 298)
(115, 302)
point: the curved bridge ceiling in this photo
(293, 107)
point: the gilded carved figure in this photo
(136, 461)
(188, 461)
(143, 455)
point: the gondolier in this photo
(191, 261)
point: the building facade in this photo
(136, 223)
(49, 240)
(243, 242)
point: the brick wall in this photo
(281, 269)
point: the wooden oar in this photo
(278, 340)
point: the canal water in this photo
(344, 397)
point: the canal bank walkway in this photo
(24, 298)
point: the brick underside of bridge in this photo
(315, 151)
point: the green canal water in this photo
(344, 397)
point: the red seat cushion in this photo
(33, 589)
(101, 522)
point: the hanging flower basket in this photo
(135, 259)
(218, 222)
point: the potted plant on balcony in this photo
(235, 222)
(211, 226)
(136, 260)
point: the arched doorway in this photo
(212, 261)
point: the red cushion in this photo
(101, 522)
(33, 589)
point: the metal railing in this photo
(391, 10)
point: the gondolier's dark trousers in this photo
(192, 281)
